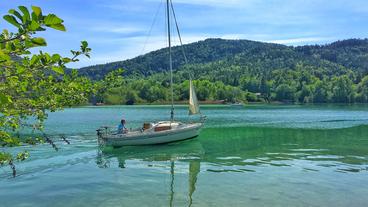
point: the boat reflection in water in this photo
(236, 159)
(189, 152)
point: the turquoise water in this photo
(257, 155)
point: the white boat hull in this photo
(186, 131)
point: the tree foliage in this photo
(260, 71)
(292, 86)
(31, 85)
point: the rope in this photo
(178, 31)
(150, 30)
(170, 60)
(180, 40)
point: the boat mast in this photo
(170, 60)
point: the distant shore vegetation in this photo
(242, 71)
(289, 86)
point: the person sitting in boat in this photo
(121, 128)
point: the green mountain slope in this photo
(351, 53)
(209, 56)
(243, 70)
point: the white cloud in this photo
(296, 41)
(130, 47)
(236, 36)
(268, 38)
(123, 7)
(120, 29)
(215, 3)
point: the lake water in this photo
(257, 155)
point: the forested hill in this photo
(243, 70)
(351, 53)
(201, 52)
(256, 56)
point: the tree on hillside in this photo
(342, 89)
(285, 92)
(320, 92)
(362, 90)
(305, 94)
(112, 80)
(251, 84)
(33, 84)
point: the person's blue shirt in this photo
(121, 128)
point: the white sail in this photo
(193, 101)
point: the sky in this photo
(121, 29)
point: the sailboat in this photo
(161, 131)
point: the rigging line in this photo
(178, 31)
(170, 61)
(179, 35)
(153, 23)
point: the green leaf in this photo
(12, 20)
(21, 70)
(59, 70)
(84, 44)
(67, 60)
(84, 47)
(52, 19)
(34, 59)
(22, 156)
(59, 27)
(5, 33)
(4, 157)
(55, 57)
(41, 29)
(4, 57)
(16, 13)
(39, 41)
(34, 25)
(26, 15)
(34, 17)
(28, 43)
(47, 57)
(10, 46)
(54, 22)
(37, 10)
(4, 99)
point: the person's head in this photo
(123, 121)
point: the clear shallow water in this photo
(253, 156)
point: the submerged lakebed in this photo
(256, 155)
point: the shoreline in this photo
(227, 104)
